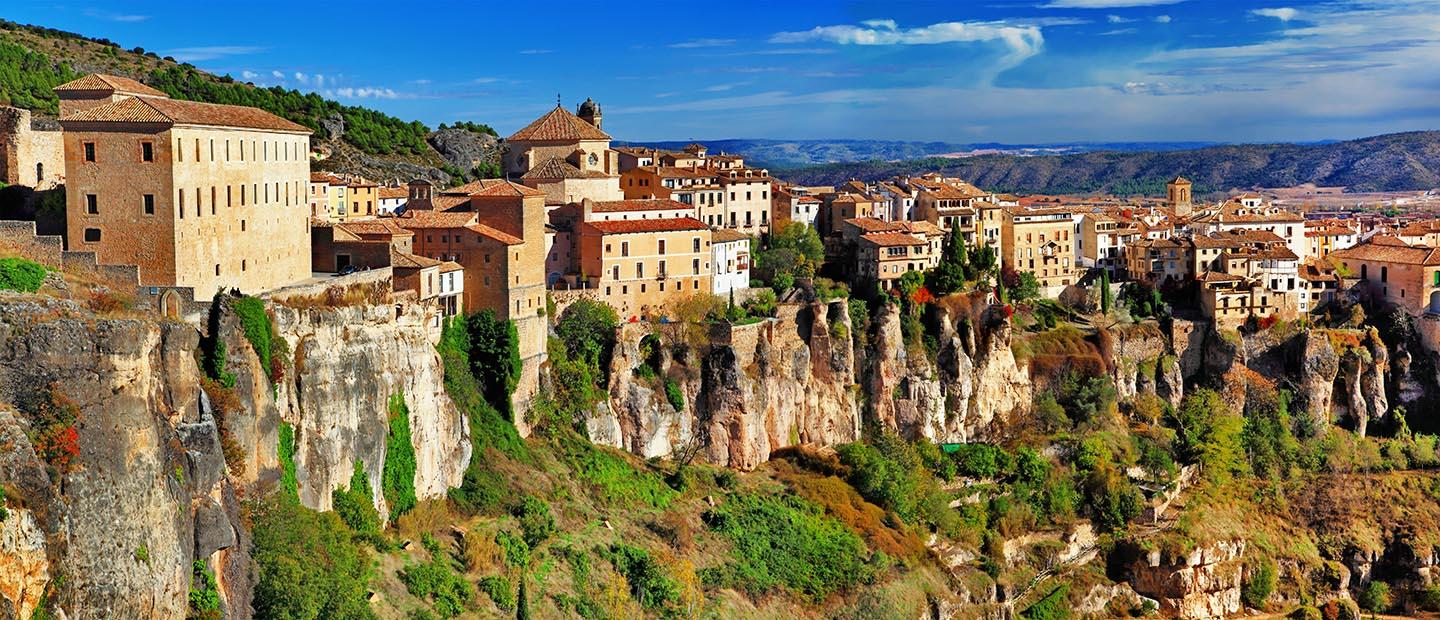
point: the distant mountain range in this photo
(1390, 162)
(783, 154)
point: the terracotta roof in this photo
(726, 235)
(394, 192)
(680, 172)
(923, 227)
(960, 191)
(557, 168)
(1216, 276)
(668, 224)
(1408, 255)
(403, 260)
(449, 266)
(892, 239)
(639, 204)
(421, 218)
(176, 112)
(870, 224)
(496, 234)
(493, 187)
(1388, 240)
(385, 226)
(101, 81)
(558, 125)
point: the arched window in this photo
(39, 173)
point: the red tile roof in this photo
(493, 187)
(374, 227)
(668, 224)
(420, 218)
(496, 234)
(113, 83)
(1408, 255)
(176, 112)
(639, 204)
(557, 168)
(726, 235)
(892, 239)
(558, 125)
(402, 260)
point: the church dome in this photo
(589, 108)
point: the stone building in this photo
(196, 195)
(564, 136)
(1404, 275)
(30, 155)
(639, 266)
(1039, 241)
(729, 261)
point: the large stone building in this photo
(30, 155)
(1039, 241)
(570, 138)
(1404, 275)
(639, 266)
(196, 195)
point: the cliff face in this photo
(1204, 584)
(747, 390)
(972, 383)
(144, 494)
(147, 490)
(348, 363)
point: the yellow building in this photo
(196, 195)
(639, 266)
(1039, 241)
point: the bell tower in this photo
(1177, 194)
(589, 111)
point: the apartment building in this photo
(1039, 241)
(639, 266)
(730, 261)
(199, 195)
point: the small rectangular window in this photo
(92, 204)
(89, 151)
(149, 204)
(92, 235)
(147, 151)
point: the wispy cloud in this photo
(1022, 41)
(532, 52)
(211, 52)
(115, 17)
(695, 43)
(1163, 19)
(1105, 4)
(1116, 19)
(1119, 31)
(1283, 13)
(365, 92)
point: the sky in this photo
(966, 71)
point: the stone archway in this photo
(170, 304)
(1434, 307)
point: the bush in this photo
(785, 541)
(649, 584)
(1429, 598)
(588, 330)
(536, 521)
(1375, 597)
(285, 449)
(674, 395)
(357, 509)
(498, 588)
(256, 323)
(308, 564)
(397, 479)
(494, 357)
(436, 581)
(1055, 605)
(1260, 586)
(612, 476)
(204, 594)
(979, 460)
(514, 548)
(18, 274)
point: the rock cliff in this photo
(1203, 584)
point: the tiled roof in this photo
(557, 168)
(404, 260)
(1216, 276)
(884, 239)
(923, 227)
(496, 234)
(870, 224)
(449, 266)
(100, 81)
(420, 218)
(668, 224)
(680, 172)
(1408, 255)
(493, 187)
(394, 192)
(386, 226)
(176, 112)
(558, 125)
(639, 204)
(726, 235)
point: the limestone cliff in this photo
(748, 390)
(1203, 584)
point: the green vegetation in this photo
(785, 541)
(588, 330)
(472, 126)
(263, 336)
(28, 79)
(794, 253)
(614, 479)
(18, 274)
(649, 584)
(398, 476)
(285, 447)
(436, 581)
(1375, 597)
(357, 509)
(204, 594)
(1260, 586)
(498, 588)
(1055, 605)
(309, 564)
(958, 267)
(536, 521)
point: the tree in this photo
(1105, 294)
(952, 272)
(588, 329)
(494, 356)
(1027, 289)
(1207, 432)
(795, 252)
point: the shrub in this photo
(52, 431)
(498, 588)
(1429, 598)
(204, 595)
(588, 330)
(674, 395)
(436, 581)
(1055, 605)
(785, 541)
(1113, 500)
(256, 324)
(308, 564)
(612, 476)
(494, 356)
(356, 508)
(514, 548)
(397, 478)
(536, 521)
(285, 448)
(980, 460)
(1260, 586)
(18, 274)
(649, 584)
(1375, 597)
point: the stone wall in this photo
(19, 237)
(23, 147)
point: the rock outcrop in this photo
(1205, 583)
(748, 390)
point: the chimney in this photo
(587, 207)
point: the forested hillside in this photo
(1392, 162)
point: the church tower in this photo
(1178, 195)
(589, 112)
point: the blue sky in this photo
(962, 71)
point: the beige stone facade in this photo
(29, 156)
(196, 195)
(640, 266)
(1040, 241)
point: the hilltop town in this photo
(895, 395)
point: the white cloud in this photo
(364, 92)
(1283, 14)
(1118, 31)
(1105, 4)
(278, 75)
(1163, 19)
(211, 52)
(1022, 41)
(126, 18)
(703, 43)
(249, 75)
(531, 52)
(1116, 19)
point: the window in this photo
(39, 172)
(89, 151)
(92, 235)
(92, 204)
(1384, 273)
(217, 269)
(624, 248)
(615, 272)
(695, 266)
(147, 151)
(149, 204)
(639, 270)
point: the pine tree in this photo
(1105, 291)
